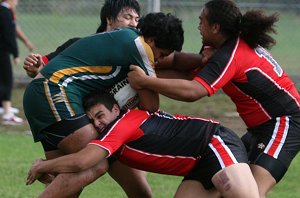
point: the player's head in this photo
(101, 108)
(119, 13)
(226, 14)
(224, 18)
(162, 32)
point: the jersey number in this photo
(263, 53)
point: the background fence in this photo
(49, 23)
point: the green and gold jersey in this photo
(99, 61)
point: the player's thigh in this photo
(193, 188)
(133, 181)
(78, 139)
(274, 148)
(265, 181)
(236, 181)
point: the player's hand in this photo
(136, 76)
(33, 64)
(207, 53)
(34, 173)
(46, 178)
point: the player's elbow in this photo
(196, 91)
(191, 96)
(193, 92)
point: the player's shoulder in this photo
(127, 32)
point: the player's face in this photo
(101, 116)
(205, 28)
(158, 53)
(127, 17)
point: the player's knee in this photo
(236, 181)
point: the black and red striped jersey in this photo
(158, 142)
(255, 82)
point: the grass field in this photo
(17, 152)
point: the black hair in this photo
(111, 9)
(99, 97)
(166, 30)
(254, 26)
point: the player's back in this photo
(95, 62)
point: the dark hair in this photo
(99, 97)
(254, 26)
(165, 28)
(111, 9)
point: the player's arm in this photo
(149, 100)
(178, 89)
(184, 61)
(76, 162)
(34, 63)
(58, 50)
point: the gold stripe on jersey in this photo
(56, 76)
(146, 54)
(66, 100)
(49, 98)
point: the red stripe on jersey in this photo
(226, 71)
(207, 86)
(222, 152)
(45, 59)
(278, 137)
(125, 129)
(157, 163)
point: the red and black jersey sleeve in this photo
(123, 130)
(254, 81)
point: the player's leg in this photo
(224, 166)
(234, 178)
(265, 181)
(272, 149)
(64, 137)
(133, 181)
(236, 181)
(193, 188)
(68, 185)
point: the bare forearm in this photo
(178, 89)
(65, 164)
(149, 100)
(182, 61)
(82, 160)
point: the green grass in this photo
(17, 152)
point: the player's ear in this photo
(150, 41)
(116, 109)
(109, 21)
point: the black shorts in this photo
(224, 149)
(54, 133)
(274, 144)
